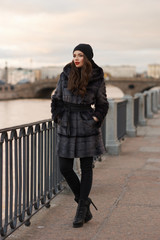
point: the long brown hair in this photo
(79, 77)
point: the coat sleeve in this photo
(57, 106)
(101, 105)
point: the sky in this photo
(36, 33)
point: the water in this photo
(21, 111)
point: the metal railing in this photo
(136, 111)
(145, 105)
(121, 119)
(152, 101)
(29, 173)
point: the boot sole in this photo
(78, 225)
(88, 219)
(81, 224)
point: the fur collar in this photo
(97, 72)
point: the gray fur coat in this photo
(84, 138)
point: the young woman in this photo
(79, 106)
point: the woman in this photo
(81, 85)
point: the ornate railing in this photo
(29, 173)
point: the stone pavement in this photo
(126, 190)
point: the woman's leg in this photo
(83, 213)
(66, 168)
(86, 177)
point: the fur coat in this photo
(84, 138)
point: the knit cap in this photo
(86, 49)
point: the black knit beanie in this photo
(86, 49)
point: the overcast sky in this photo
(36, 33)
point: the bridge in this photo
(130, 86)
(38, 89)
(44, 88)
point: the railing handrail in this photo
(119, 100)
(135, 97)
(2, 130)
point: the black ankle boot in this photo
(80, 214)
(88, 213)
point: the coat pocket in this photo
(87, 127)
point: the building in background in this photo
(22, 75)
(50, 72)
(120, 71)
(6, 73)
(1, 73)
(153, 70)
(37, 73)
(18, 75)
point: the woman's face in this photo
(78, 58)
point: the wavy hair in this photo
(79, 77)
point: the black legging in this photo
(81, 189)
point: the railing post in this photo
(155, 105)
(149, 107)
(156, 100)
(141, 121)
(113, 145)
(130, 128)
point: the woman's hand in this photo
(95, 119)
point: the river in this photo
(21, 111)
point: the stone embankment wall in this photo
(8, 92)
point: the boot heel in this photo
(91, 202)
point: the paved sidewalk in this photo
(126, 190)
